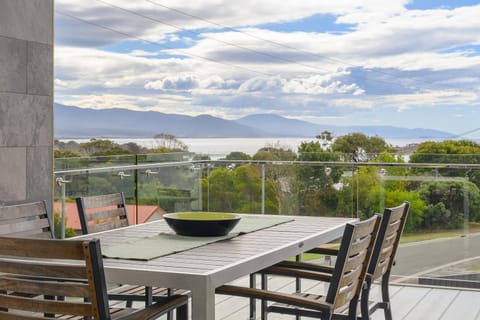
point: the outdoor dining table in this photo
(203, 268)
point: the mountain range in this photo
(73, 122)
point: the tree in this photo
(65, 154)
(274, 152)
(320, 175)
(94, 145)
(278, 176)
(168, 142)
(360, 146)
(417, 206)
(238, 190)
(219, 191)
(64, 146)
(315, 183)
(237, 155)
(449, 151)
(114, 151)
(133, 148)
(448, 202)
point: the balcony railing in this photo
(440, 246)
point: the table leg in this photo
(203, 304)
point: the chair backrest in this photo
(28, 220)
(26, 266)
(391, 228)
(352, 261)
(102, 213)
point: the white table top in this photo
(203, 269)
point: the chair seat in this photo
(132, 293)
(114, 312)
(140, 290)
(120, 313)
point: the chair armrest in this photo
(155, 310)
(298, 273)
(324, 250)
(304, 266)
(274, 296)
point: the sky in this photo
(412, 64)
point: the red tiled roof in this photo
(73, 221)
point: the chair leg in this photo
(253, 302)
(182, 312)
(352, 309)
(298, 282)
(326, 316)
(3, 292)
(364, 299)
(170, 314)
(129, 302)
(49, 315)
(264, 302)
(386, 296)
(148, 296)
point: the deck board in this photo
(465, 306)
(434, 304)
(408, 302)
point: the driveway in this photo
(422, 256)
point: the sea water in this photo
(223, 146)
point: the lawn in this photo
(439, 233)
(415, 237)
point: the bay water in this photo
(223, 146)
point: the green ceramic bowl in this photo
(201, 223)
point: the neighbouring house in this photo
(145, 213)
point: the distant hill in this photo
(278, 126)
(74, 122)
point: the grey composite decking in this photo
(408, 302)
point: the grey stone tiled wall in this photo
(26, 100)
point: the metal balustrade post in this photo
(208, 187)
(200, 192)
(466, 210)
(263, 188)
(61, 182)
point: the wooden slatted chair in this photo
(381, 263)
(25, 220)
(28, 220)
(102, 212)
(345, 282)
(106, 212)
(29, 266)
(383, 259)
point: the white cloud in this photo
(181, 83)
(161, 103)
(143, 53)
(258, 84)
(326, 84)
(390, 56)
